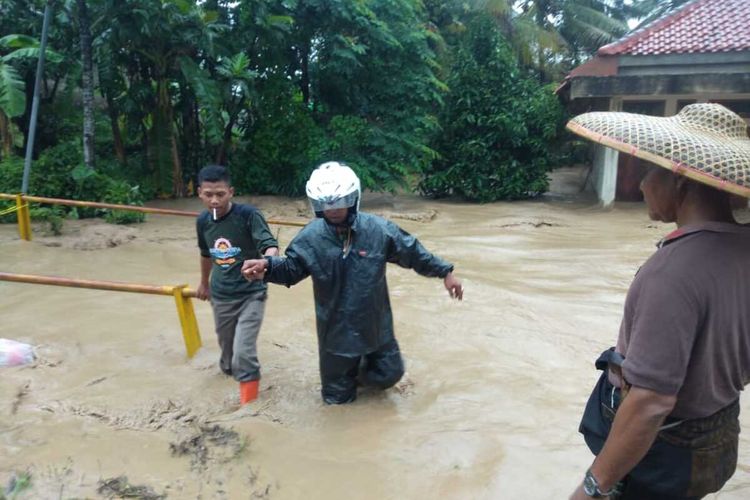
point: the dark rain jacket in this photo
(352, 307)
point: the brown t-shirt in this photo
(686, 325)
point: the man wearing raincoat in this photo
(345, 251)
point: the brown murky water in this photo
(489, 407)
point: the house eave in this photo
(659, 84)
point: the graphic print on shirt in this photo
(224, 253)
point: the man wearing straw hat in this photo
(663, 418)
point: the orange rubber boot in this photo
(248, 391)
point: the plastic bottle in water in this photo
(14, 353)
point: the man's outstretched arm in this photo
(406, 251)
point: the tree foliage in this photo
(402, 90)
(496, 127)
(650, 10)
(16, 49)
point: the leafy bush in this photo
(279, 155)
(379, 88)
(122, 193)
(134, 171)
(11, 174)
(59, 173)
(381, 157)
(497, 125)
(282, 152)
(54, 217)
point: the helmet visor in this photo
(321, 205)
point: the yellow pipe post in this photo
(189, 324)
(24, 218)
(181, 293)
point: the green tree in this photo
(274, 87)
(496, 126)
(547, 36)
(84, 28)
(12, 86)
(650, 10)
(224, 98)
(373, 61)
(12, 100)
(578, 27)
(219, 104)
(149, 37)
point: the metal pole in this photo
(132, 208)
(114, 286)
(182, 294)
(35, 102)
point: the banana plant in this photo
(149, 38)
(12, 95)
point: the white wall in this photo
(604, 176)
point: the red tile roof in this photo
(596, 66)
(698, 27)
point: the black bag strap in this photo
(609, 357)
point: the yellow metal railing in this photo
(181, 294)
(24, 217)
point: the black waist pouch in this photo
(688, 458)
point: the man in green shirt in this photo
(228, 234)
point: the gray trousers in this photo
(237, 327)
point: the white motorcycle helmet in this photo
(334, 185)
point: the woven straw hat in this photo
(705, 142)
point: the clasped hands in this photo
(254, 269)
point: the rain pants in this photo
(352, 306)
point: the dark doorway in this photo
(630, 170)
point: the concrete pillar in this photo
(605, 167)
(670, 106)
(605, 174)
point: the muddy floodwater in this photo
(488, 409)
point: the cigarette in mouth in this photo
(214, 214)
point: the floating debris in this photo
(120, 487)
